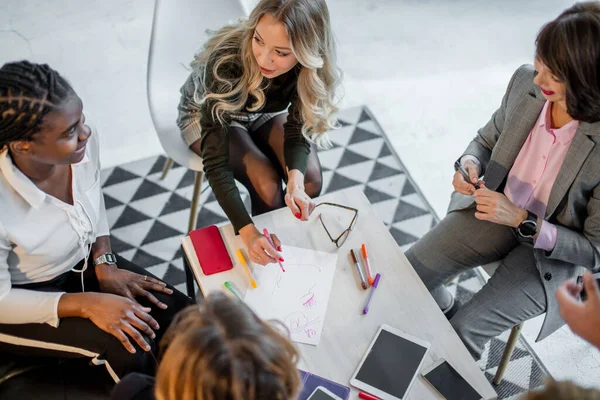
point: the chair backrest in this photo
(178, 33)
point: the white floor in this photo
(431, 71)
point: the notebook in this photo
(211, 250)
(311, 381)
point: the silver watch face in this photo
(108, 258)
(527, 229)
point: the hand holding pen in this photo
(268, 236)
(466, 179)
(262, 249)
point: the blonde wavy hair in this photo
(221, 350)
(312, 42)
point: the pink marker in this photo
(268, 236)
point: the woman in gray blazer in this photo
(532, 196)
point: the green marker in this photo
(228, 286)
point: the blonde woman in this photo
(218, 350)
(234, 112)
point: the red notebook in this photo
(210, 250)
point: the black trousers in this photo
(79, 337)
(134, 387)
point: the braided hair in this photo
(28, 92)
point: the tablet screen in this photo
(450, 384)
(391, 364)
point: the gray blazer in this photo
(574, 203)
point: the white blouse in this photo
(42, 237)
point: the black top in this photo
(197, 123)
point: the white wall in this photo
(249, 5)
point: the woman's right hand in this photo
(259, 248)
(121, 317)
(460, 183)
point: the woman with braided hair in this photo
(62, 291)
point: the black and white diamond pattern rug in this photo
(148, 216)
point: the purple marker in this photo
(375, 283)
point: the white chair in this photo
(178, 32)
(514, 333)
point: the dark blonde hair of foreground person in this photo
(221, 350)
(566, 390)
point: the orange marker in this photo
(367, 265)
(245, 265)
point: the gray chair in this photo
(514, 333)
(178, 32)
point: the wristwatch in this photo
(106, 258)
(529, 227)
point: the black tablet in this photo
(448, 382)
(391, 364)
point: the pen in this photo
(266, 233)
(228, 286)
(367, 396)
(465, 174)
(245, 265)
(367, 265)
(363, 282)
(375, 283)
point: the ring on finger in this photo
(145, 277)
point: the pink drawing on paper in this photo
(309, 300)
(298, 322)
(297, 297)
(310, 332)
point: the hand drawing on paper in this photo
(297, 297)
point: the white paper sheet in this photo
(297, 297)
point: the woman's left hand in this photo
(296, 198)
(497, 208)
(129, 284)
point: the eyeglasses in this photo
(341, 239)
